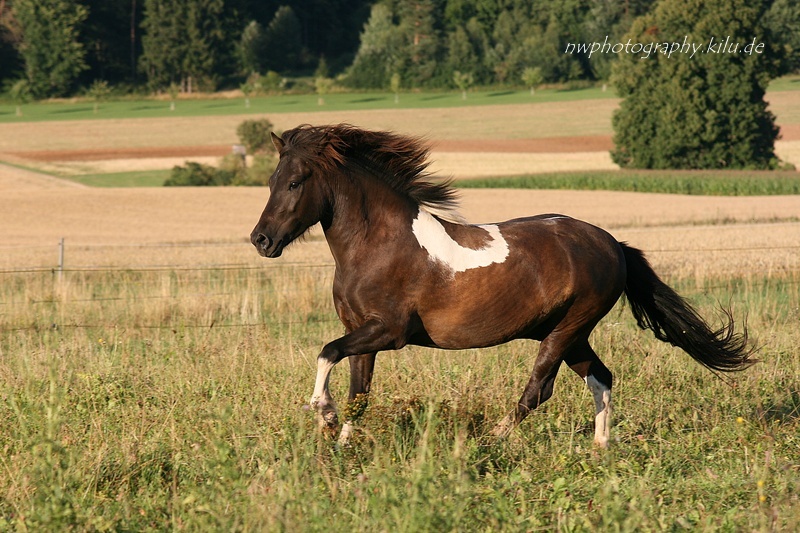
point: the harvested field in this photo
(686, 235)
(582, 128)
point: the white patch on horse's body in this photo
(432, 236)
(555, 217)
(602, 402)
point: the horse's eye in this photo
(293, 185)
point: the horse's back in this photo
(556, 265)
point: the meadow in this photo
(233, 103)
(159, 381)
(148, 400)
(709, 183)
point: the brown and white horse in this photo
(409, 270)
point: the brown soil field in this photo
(686, 236)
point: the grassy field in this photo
(145, 178)
(147, 401)
(234, 104)
(160, 385)
(83, 109)
(708, 183)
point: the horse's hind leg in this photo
(539, 387)
(361, 369)
(582, 359)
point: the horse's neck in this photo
(365, 214)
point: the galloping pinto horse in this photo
(409, 270)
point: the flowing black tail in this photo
(659, 308)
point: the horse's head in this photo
(296, 202)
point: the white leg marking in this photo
(321, 399)
(432, 236)
(602, 402)
(344, 436)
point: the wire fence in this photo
(59, 269)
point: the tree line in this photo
(58, 47)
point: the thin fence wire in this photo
(249, 270)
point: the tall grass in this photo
(707, 183)
(148, 401)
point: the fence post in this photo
(61, 259)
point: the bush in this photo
(198, 175)
(232, 171)
(701, 112)
(255, 136)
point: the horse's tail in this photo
(672, 319)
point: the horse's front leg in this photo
(372, 337)
(361, 369)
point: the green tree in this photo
(394, 84)
(283, 45)
(323, 86)
(251, 48)
(186, 42)
(163, 42)
(461, 55)
(50, 46)
(207, 47)
(532, 77)
(255, 135)
(20, 93)
(706, 111)
(98, 92)
(421, 47)
(783, 20)
(463, 81)
(378, 55)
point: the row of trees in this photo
(59, 46)
(426, 42)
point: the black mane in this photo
(400, 161)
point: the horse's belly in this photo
(464, 326)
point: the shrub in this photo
(232, 171)
(198, 175)
(255, 136)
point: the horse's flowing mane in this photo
(399, 161)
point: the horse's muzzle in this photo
(265, 246)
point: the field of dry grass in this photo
(685, 235)
(714, 234)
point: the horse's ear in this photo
(278, 142)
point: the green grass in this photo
(83, 109)
(149, 401)
(786, 83)
(291, 103)
(145, 178)
(709, 183)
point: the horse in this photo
(411, 271)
